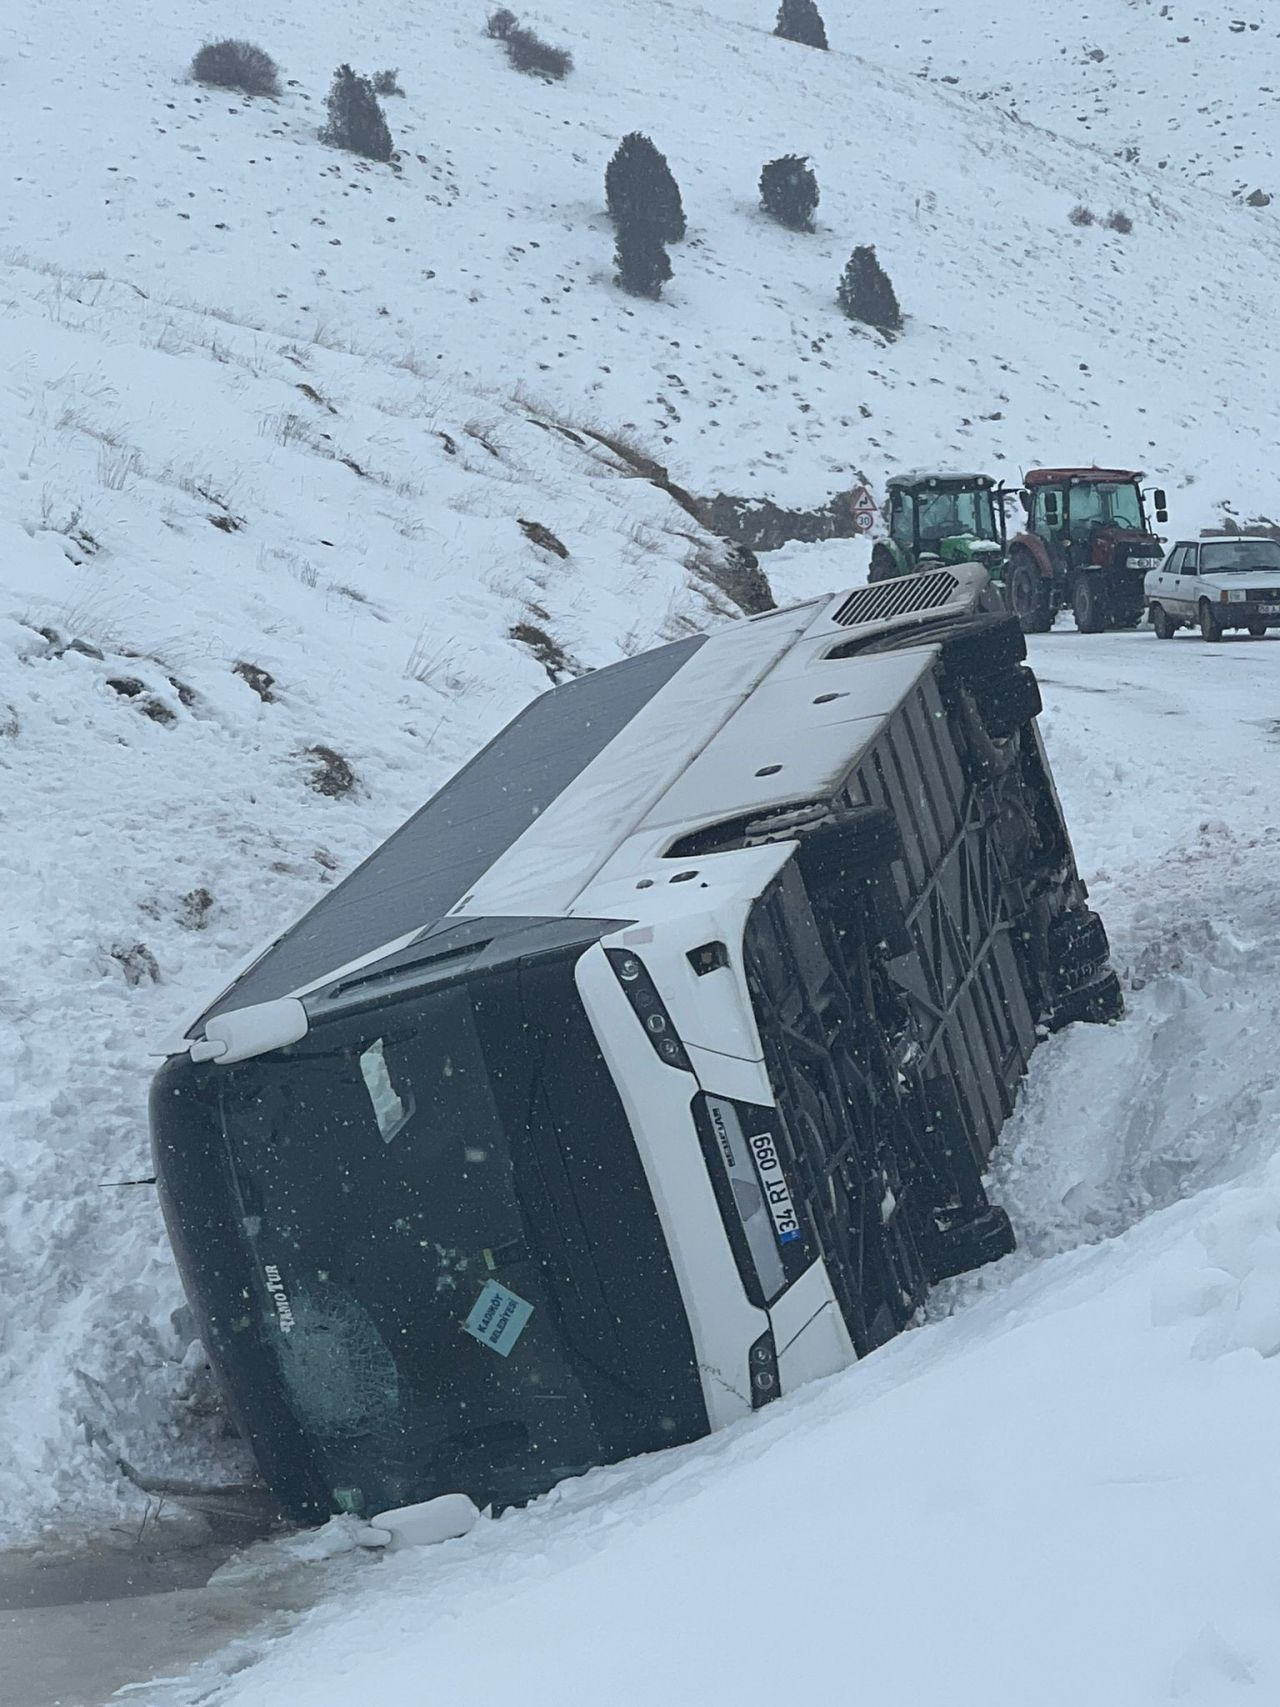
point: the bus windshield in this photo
(438, 1317)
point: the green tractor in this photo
(942, 518)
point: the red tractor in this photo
(1087, 545)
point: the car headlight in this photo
(1236, 596)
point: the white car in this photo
(1216, 584)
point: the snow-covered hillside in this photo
(290, 449)
(488, 256)
(1186, 87)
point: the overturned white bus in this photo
(648, 1071)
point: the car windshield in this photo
(1097, 504)
(437, 1319)
(1261, 554)
(942, 514)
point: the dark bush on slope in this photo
(356, 121)
(801, 21)
(642, 261)
(537, 58)
(789, 191)
(865, 293)
(639, 188)
(236, 65)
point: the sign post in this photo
(864, 509)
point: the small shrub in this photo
(537, 534)
(193, 909)
(866, 294)
(500, 24)
(529, 53)
(386, 83)
(640, 189)
(789, 191)
(1120, 222)
(261, 681)
(545, 648)
(642, 261)
(137, 963)
(330, 774)
(800, 21)
(356, 121)
(1081, 215)
(128, 687)
(236, 65)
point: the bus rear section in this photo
(685, 1096)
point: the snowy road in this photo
(1126, 1390)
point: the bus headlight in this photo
(649, 1008)
(762, 1364)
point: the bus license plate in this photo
(776, 1192)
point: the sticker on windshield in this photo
(389, 1109)
(498, 1318)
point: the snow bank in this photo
(1053, 1497)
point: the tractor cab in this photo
(941, 518)
(1088, 544)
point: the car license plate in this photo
(1269, 610)
(777, 1194)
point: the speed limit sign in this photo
(864, 510)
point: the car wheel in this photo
(1089, 604)
(1257, 629)
(1030, 594)
(1161, 622)
(1210, 627)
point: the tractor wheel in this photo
(1210, 627)
(1030, 593)
(884, 566)
(1089, 604)
(1163, 623)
